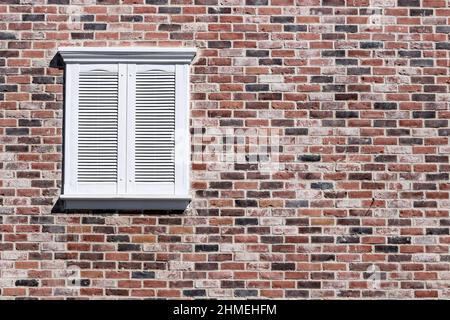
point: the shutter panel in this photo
(155, 127)
(153, 112)
(98, 129)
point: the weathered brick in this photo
(355, 97)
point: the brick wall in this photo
(357, 92)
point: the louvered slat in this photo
(155, 127)
(97, 126)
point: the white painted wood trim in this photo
(126, 194)
(122, 131)
(182, 129)
(146, 55)
(70, 129)
(131, 127)
(127, 204)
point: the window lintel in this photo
(146, 55)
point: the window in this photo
(126, 142)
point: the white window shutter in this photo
(126, 128)
(97, 129)
(152, 105)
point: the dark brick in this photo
(442, 29)
(143, 275)
(346, 28)
(345, 96)
(295, 28)
(347, 239)
(431, 158)
(333, 2)
(385, 106)
(333, 53)
(322, 239)
(58, 1)
(43, 80)
(420, 12)
(8, 88)
(385, 124)
(410, 54)
(246, 203)
(361, 230)
(309, 157)
(33, 17)
(269, 62)
(169, 27)
(437, 231)
(256, 2)
(399, 240)
(283, 266)
(282, 19)
(42, 220)
(424, 114)
(243, 293)
(82, 35)
(169, 10)
(217, 10)
(347, 114)
(7, 36)
(118, 238)
(421, 63)
(206, 248)
(297, 294)
(27, 283)
(157, 2)
(257, 53)
(309, 284)
(358, 71)
(221, 184)
(386, 249)
(359, 140)
(53, 229)
(333, 88)
(360, 176)
(296, 203)
(29, 123)
(322, 257)
(321, 79)
(425, 204)
(371, 45)
(131, 18)
(410, 141)
(385, 158)
(321, 185)
(296, 131)
(346, 62)
(439, 45)
(206, 266)
(129, 247)
(194, 293)
(256, 87)
(398, 132)
(94, 26)
(17, 131)
(93, 220)
(246, 221)
(436, 123)
(444, 132)
(409, 3)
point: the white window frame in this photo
(126, 60)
